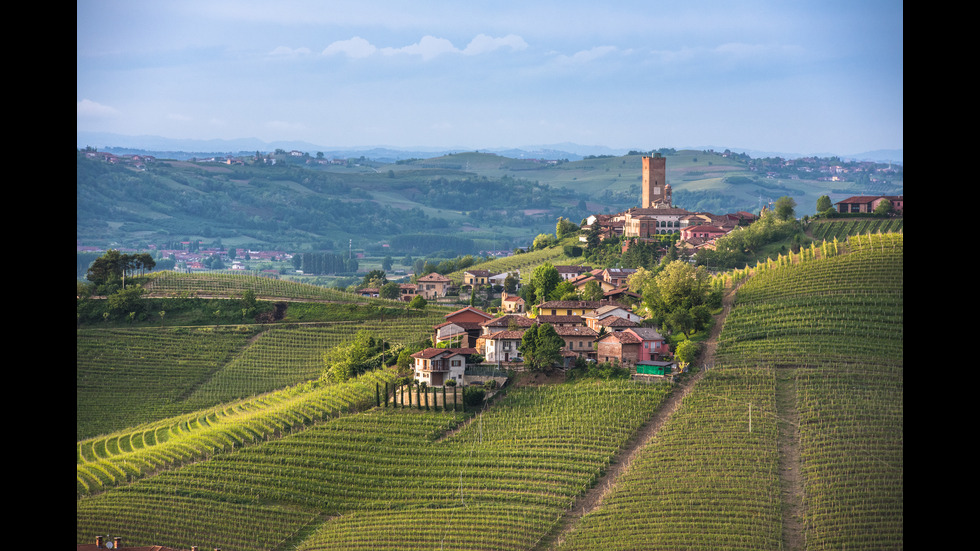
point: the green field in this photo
(793, 438)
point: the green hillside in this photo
(483, 201)
(791, 439)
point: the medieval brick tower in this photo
(656, 191)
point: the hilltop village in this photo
(606, 330)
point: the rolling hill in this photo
(494, 202)
(789, 436)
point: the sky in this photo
(799, 76)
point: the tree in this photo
(542, 241)
(386, 263)
(592, 239)
(824, 203)
(592, 291)
(564, 228)
(678, 286)
(418, 303)
(785, 208)
(541, 347)
(374, 278)
(390, 290)
(563, 291)
(346, 361)
(544, 279)
(884, 208)
(510, 283)
(687, 351)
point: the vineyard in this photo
(842, 228)
(523, 263)
(792, 438)
(128, 376)
(176, 284)
(389, 479)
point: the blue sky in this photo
(791, 76)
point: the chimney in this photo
(98, 541)
(117, 542)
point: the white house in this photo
(435, 366)
(502, 346)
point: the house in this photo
(619, 347)
(653, 221)
(435, 366)
(705, 232)
(593, 318)
(501, 346)
(503, 323)
(569, 307)
(653, 346)
(462, 327)
(622, 293)
(561, 321)
(868, 203)
(476, 277)
(407, 291)
(569, 273)
(578, 339)
(501, 278)
(612, 323)
(617, 276)
(433, 285)
(512, 304)
(368, 292)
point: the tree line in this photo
(114, 266)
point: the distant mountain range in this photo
(186, 148)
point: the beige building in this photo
(433, 285)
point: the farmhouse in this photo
(593, 319)
(435, 366)
(433, 285)
(476, 277)
(462, 327)
(512, 304)
(578, 340)
(619, 347)
(501, 346)
(868, 203)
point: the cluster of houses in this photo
(594, 330)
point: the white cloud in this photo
(356, 47)
(483, 44)
(285, 51)
(427, 48)
(586, 56)
(90, 109)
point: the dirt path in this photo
(789, 460)
(594, 496)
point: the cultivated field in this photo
(792, 439)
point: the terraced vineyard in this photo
(523, 263)
(794, 438)
(233, 285)
(842, 228)
(386, 479)
(129, 376)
